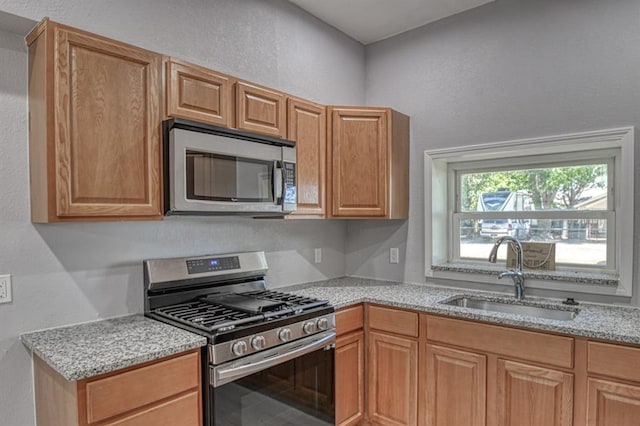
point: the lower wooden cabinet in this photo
(393, 379)
(612, 404)
(349, 387)
(529, 395)
(441, 371)
(456, 383)
(160, 393)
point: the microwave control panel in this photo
(290, 194)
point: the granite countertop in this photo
(597, 321)
(85, 350)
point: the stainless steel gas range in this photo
(270, 355)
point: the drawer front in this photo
(393, 320)
(122, 392)
(184, 411)
(614, 361)
(522, 344)
(349, 319)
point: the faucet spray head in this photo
(493, 256)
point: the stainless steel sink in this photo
(510, 308)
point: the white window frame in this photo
(440, 183)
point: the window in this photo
(575, 191)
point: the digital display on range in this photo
(213, 264)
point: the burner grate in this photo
(212, 314)
(207, 316)
(298, 303)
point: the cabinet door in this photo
(349, 379)
(612, 404)
(260, 110)
(456, 384)
(198, 93)
(529, 395)
(307, 125)
(393, 387)
(359, 168)
(107, 118)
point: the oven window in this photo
(214, 177)
(297, 392)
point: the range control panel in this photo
(212, 264)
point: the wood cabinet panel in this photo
(456, 387)
(198, 93)
(163, 392)
(349, 319)
(261, 110)
(97, 141)
(392, 374)
(612, 404)
(529, 395)
(393, 320)
(183, 411)
(368, 166)
(126, 391)
(527, 345)
(307, 126)
(349, 379)
(613, 360)
(359, 153)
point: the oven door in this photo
(212, 173)
(289, 385)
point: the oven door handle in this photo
(222, 375)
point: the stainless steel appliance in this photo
(215, 170)
(270, 357)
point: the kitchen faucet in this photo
(516, 274)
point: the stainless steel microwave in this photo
(215, 170)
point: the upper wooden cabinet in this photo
(368, 163)
(259, 109)
(198, 93)
(307, 125)
(94, 128)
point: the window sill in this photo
(583, 282)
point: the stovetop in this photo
(224, 298)
(219, 313)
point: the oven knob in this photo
(284, 335)
(258, 343)
(239, 348)
(322, 324)
(309, 327)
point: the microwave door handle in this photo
(277, 181)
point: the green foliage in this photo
(550, 188)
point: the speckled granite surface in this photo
(607, 322)
(85, 350)
(566, 276)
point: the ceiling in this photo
(372, 20)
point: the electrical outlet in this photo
(394, 255)
(5, 288)
(318, 255)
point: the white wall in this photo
(69, 273)
(507, 70)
